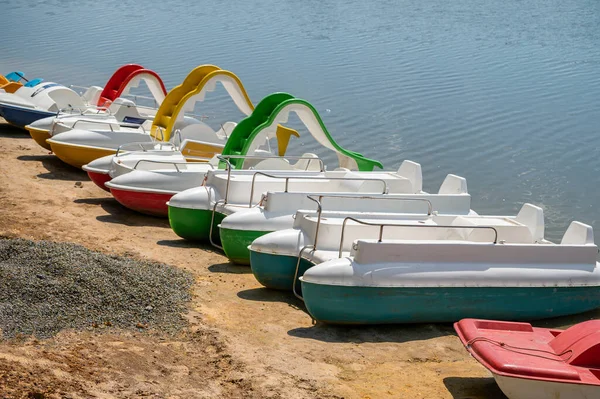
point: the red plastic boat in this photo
(149, 203)
(537, 363)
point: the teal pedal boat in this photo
(392, 268)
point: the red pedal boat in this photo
(537, 363)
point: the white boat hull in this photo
(521, 388)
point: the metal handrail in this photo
(382, 225)
(226, 158)
(78, 87)
(298, 268)
(321, 163)
(97, 122)
(287, 181)
(229, 167)
(212, 222)
(161, 162)
(141, 145)
(122, 124)
(320, 207)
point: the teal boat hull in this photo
(277, 271)
(390, 305)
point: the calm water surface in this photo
(506, 94)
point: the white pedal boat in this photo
(250, 139)
(151, 185)
(276, 209)
(79, 147)
(393, 268)
(160, 155)
(116, 107)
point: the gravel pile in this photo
(46, 287)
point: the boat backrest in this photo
(64, 97)
(273, 164)
(122, 108)
(454, 251)
(578, 234)
(533, 217)
(453, 184)
(368, 185)
(580, 344)
(507, 230)
(33, 82)
(194, 149)
(308, 164)
(14, 76)
(412, 171)
(92, 95)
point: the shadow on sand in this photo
(473, 388)
(229, 268)
(267, 295)
(121, 215)
(567, 321)
(13, 132)
(372, 334)
(181, 243)
(57, 169)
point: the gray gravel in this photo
(46, 287)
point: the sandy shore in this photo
(243, 340)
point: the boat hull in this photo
(277, 271)
(386, 305)
(148, 203)
(522, 388)
(76, 155)
(100, 179)
(40, 136)
(194, 224)
(235, 244)
(21, 117)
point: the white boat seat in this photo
(578, 234)
(508, 230)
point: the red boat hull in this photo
(100, 179)
(154, 204)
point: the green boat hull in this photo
(235, 244)
(194, 224)
(385, 305)
(277, 271)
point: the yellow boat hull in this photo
(40, 136)
(78, 155)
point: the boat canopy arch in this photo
(152, 80)
(193, 89)
(271, 113)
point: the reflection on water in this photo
(503, 93)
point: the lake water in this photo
(504, 93)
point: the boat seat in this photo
(34, 82)
(508, 230)
(14, 76)
(582, 341)
(273, 164)
(362, 186)
(578, 234)
(505, 359)
(412, 171)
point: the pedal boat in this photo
(159, 155)
(231, 189)
(395, 192)
(536, 363)
(79, 147)
(114, 105)
(12, 81)
(394, 268)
